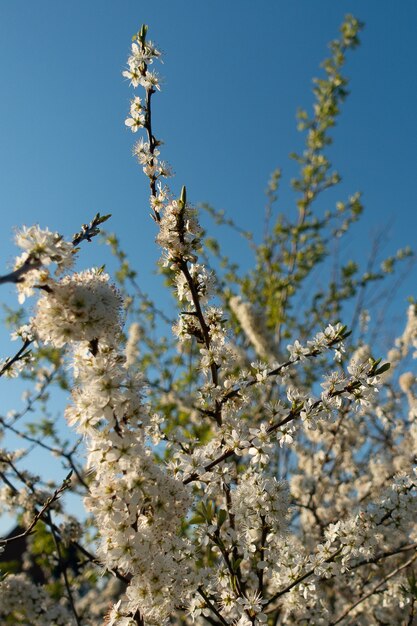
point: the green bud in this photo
(183, 197)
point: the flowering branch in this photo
(374, 589)
(39, 515)
(21, 355)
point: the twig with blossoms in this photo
(351, 389)
(40, 514)
(374, 589)
(179, 234)
(21, 355)
(143, 54)
(91, 558)
(271, 609)
(356, 536)
(211, 605)
(333, 335)
(43, 247)
(29, 264)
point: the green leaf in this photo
(221, 517)
(197, 519)
(103, 218)
(382, 369)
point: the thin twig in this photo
(374, 589)
(63, 569)
(20, 354)
(292, 415)
(65, 484)
(212, 606)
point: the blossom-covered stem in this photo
(34, 260)
(63, 569)
(197, 305)
(296, 582)
(230, 451)
(277, 370)
(139, 75)
(375, 588)
(362, 563)
(207, 468)
(147, 124)
(231, 516)
(293, 414)
(90, 557)
(205, 331)
(211, 606)
(152, 144)
(264, 534)
(385, 555)
(236, 583)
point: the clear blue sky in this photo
(234, 74)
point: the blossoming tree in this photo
(255, 467)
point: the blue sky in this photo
(234, 74)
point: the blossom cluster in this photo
(28, 603)
(80, 307)
(143, 53)
(137, 506)
(179, 234)
(136, 503)
(41, 247)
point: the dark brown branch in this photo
(212, 606)
(31, 263)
